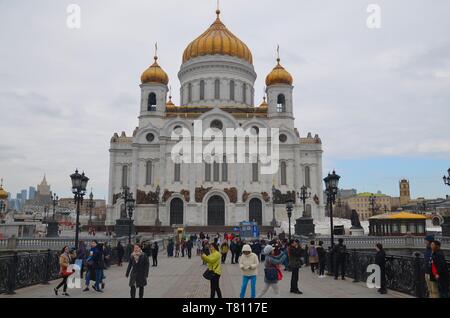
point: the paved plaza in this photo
(182, 278)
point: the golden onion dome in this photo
(3, 193)
(170, 104)
(264, 103)
(155, 74)
(217, 40)
(279, 76)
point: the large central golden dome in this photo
(217, 40)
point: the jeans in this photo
(98, 277)
(215, 287)
(233, 257)
(245, 280)
(224, 258)
(189, 253)
(322, 267)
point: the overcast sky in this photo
(379, 98)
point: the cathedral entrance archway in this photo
(176, 212)
(216, 211)
(255, 211)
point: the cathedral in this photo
(217, 80)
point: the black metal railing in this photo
(403, 273)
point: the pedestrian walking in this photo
(313, 257)
(439, 270)
(432, 285)
(322, 254)
(248, 263)
(137, 271)
(256, 248)
(81, 257)
(120, 253)
(64, 262)
(155, 251)
(189, 246)
(239, 246)
(214, 270)
(233, 247)
(272, 272)
(380, 260)
(340, 258)
(224, 251)
(295, 262)
(170, 248)
(98, 265)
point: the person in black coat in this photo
(233, 247)
(189, 246)
(155, 251)
(137, 271)
(322, 259)
(380, 260)
(120, 253)
(340, 258)
(439, 270)
(256, 247)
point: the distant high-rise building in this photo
(31, 193)
(405, 194)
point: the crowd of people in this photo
(277, 256)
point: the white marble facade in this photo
(213, 83)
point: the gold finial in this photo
(156, 51)
(1, 183)
(218, 8)
(278, 54)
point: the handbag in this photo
(209, 274)
(279, 274)
(271, 274)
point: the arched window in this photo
(281, 104)
(189, 93)
(217, 89)
(207, 172)
(124, 176)
(307, 176)
(224, 169)
(255, 172)
(232, 90)
(244, 93)
(177, 172)
(283, 173)
(148, 173)
(216, 171)
(151, 107)
(202, 90)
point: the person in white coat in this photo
(248, 263)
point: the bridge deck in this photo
(182, 278)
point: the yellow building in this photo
(397, 224)
(362, 204)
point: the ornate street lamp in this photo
(55, 203)
(79, 183)
(130, 203)
(331, 189)
(372, 203)
(289, 208)
(274, 220)
(91, 205)
(447, 179)
(157, 192)
(303, 196)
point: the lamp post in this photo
(446, 224)
(303, 196)
(79, 183)
(55, 203)
(331, 189)
(274, 220)
(447, 179)
(91, 205)
(289, 208)
(157, 192)
(372, 203)
(129, 206)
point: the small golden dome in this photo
(170, 104)
(279, 76)
(217, 40)
(264, 103)
(155, 74)
(3, 193)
